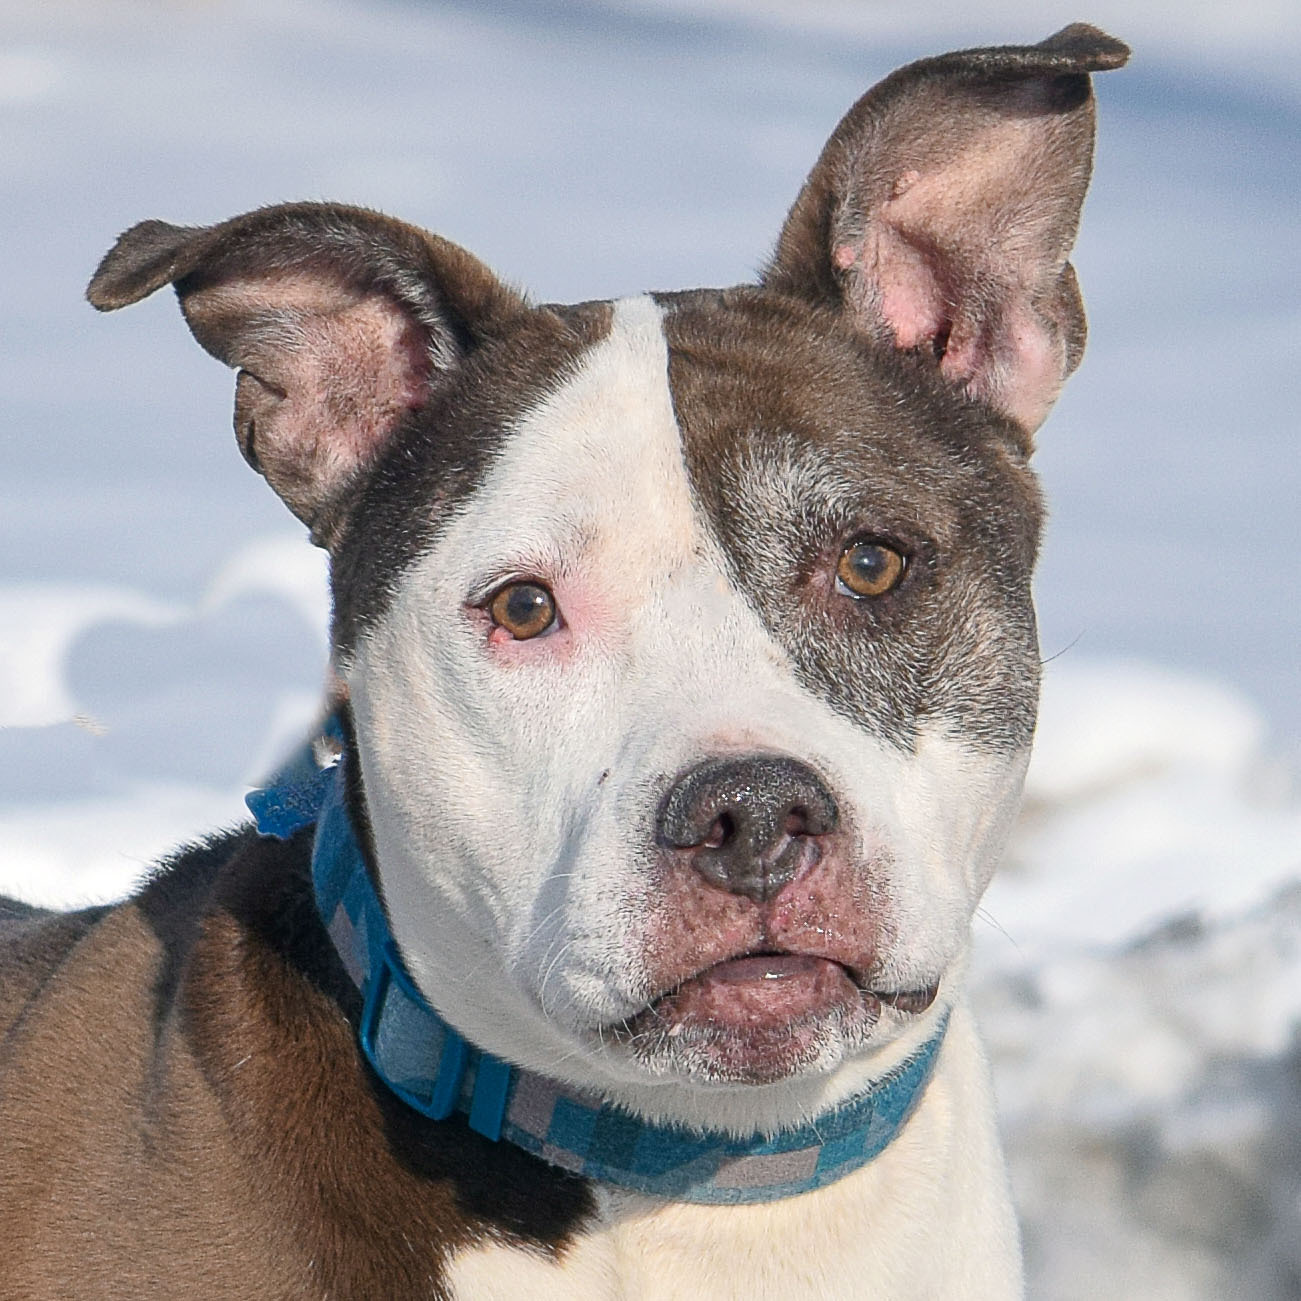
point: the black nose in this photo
(750, 822)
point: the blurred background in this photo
(162, 618)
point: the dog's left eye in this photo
(869, 568)
(525, 610)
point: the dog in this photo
(608, 939)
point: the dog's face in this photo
(696, 742)
(688, 638)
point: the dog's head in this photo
(688, 637)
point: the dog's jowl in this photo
(608, 942)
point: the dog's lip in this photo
(760, 1017)
(772, 966)
(911, 1002)
(760, 966)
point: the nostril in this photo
(721, 832)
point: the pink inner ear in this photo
(892, 281)
(912, 302)
(355, 374)
(337, 369)
(999, 350)
(1018, 367)
(956, 252)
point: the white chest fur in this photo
(928, 1220)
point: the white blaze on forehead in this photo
(597, 466)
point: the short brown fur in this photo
(184, 1112)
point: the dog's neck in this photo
(427, 1064)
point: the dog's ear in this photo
(340, 322)
(943, 209)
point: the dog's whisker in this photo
(990, 920)
(542, 984)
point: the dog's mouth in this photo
(762, 1017)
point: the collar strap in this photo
(437, 1073)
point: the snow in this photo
(1139, 984)
(162, 618)
(1150, 794)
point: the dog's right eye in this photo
(525, 610)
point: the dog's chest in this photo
(927, 1219)
(643, 1251)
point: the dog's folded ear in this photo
(340, 321)
(943, 209)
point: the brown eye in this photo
(868, 569)
(524, 610)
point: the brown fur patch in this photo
(227, 1139)
(801, 435)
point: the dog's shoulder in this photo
(145, 939)
(33, 942)
(214, 994)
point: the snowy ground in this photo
(161, 619)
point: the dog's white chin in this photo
(755, 1020)
(709, 1055)
(743, 1086)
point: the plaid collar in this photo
(436, 1072)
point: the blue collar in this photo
(436, 1072)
